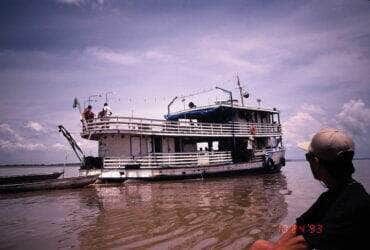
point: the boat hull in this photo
(74, 182)
(28, 178)
(186, 172)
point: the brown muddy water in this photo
(217, 213)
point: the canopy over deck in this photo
(222, 111)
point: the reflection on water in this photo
(216, 213)
(45, 220)
(224, 212)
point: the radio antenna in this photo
(240, 90)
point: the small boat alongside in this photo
(65, 183)
(14, 179)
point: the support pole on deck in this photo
(169, 105)
(240, 90)
(232, 110)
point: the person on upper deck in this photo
(107, 110)
(340, 217)
(88, 114)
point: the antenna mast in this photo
(240, 90)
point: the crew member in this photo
(88, 114)
(107, 110)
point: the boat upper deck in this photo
(143, 126)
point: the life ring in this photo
(269, 164)
(253, 130)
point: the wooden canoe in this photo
(74, 182)
(14, 179)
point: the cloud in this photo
(35, 126)
(238, 54)
(129, 58)
(300, 128)
(81, 2)
(7, 132)
(27, 145)
(11, 146)
(5, 128)
(60, 147)
(312, 109)
(354, 117)
(111, 56)
(75, 2)
(11, 140)
(158, 55)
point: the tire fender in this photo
(269, 164)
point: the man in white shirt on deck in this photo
(107, 110)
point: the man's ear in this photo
(317, 161)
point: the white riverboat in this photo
(220, 139)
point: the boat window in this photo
(248, 116)
(255, 119)
(271, 142)
(177, 145)
(157, 144)
(261, 143)
(202, 146)
(264, 117)
(215, 145)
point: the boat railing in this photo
(182, 159)
(179, 128)
(268, 150)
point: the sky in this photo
(309, 59)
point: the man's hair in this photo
(342, 168)
(89, 107)
(105, 104)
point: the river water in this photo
(215, 213)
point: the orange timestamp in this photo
(300, 229)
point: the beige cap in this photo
(328, 143)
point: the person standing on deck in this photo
(104, 114)
(88, 114)
(250, 151)
(340, 217)
(107, 110)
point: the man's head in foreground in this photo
(330, 154)
(339, 217)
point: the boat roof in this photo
(204, 110)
